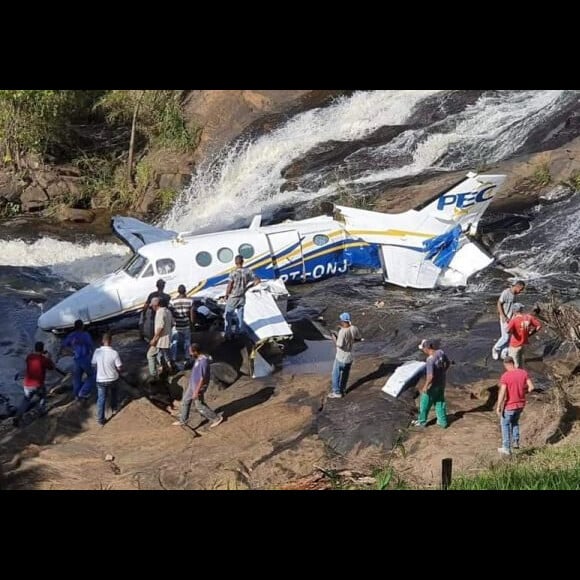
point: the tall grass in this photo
(550, 468)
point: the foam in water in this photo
(72, 262)
(247, 178)
(489, 130)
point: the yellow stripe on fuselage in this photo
(391, 233)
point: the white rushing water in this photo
(67, 260)
(487, 131)
(247, 178)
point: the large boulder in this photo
(69, 214)
(11, 187)
(174, 181)
(33, 199)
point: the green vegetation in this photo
(105, 134)
(542, 176)
(573, 182)
(548, 468)
(38, 121)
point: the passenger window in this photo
(165, 266)
(203, 259)
(148, 272)
(320, 239)
(246, 251)
(225, 255)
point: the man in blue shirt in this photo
(81, 343)
(198, 383)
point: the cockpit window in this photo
(165, 266)
(135, 265)
(149, 272)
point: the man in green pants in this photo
(433, 391)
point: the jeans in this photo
(83, 366)
(102, 389)
(199, 403)
(229, 319)
(510, 428)
(29, 393)
(502, 343)
(517, 352)
(340, 372)
(434, 396)
(156, 356)
(181, 336)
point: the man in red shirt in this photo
(514, 385)
(520, 328)
(37, 363)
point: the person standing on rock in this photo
(241, 280)
(181, 308)
(108, 365)
(433, 391)
(147, 319)
(520, 328)
(37, 363)
(159, 345)
(345, 339)
(514, 385)
(505, 310)
(198, 384)
(81, 343)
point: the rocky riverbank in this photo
(66, 192)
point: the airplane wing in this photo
(412, 268)
(136, 233)
(263, 312)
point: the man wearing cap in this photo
(514, 385)
(520, 328)
(505, 310)
(147, 319)
(433, 391)
(347, 334)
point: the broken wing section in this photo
(137, 234)
(263, 311)
(410, 267)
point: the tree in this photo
(155, 114)
(33, 120)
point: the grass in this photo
(551, 468)
(573, 182)
(542, 176)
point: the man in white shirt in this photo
(108, 364)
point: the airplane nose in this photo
(91, 303)
(56, 318)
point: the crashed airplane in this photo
(421, 248)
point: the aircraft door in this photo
(287, 258)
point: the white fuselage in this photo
(295, 251)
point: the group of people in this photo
(516, 328)
(167, 326)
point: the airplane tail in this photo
(463, 203)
